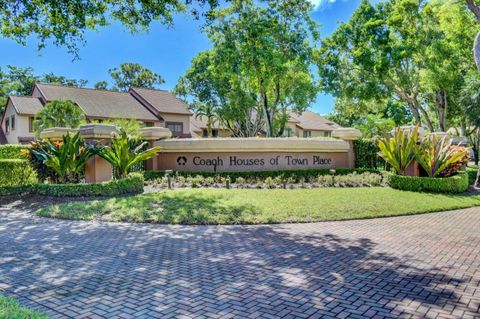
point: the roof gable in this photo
(99, 103)
(309, 120)
(26, 104)
(161, 101)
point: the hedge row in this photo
(453, 184)
(295, 174)
(133, 184)
(16, 172)
(12, 151)
(366, 154)
(472, 174)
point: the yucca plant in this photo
(435, 154)
(399, 150)
(67, 157)
(125, 151)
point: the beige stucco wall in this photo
(185, 119)
(21, 125)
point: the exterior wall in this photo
(21, 125)
(318, 133)
(178, 118)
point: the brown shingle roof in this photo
(99, 103)
(26, 104)
(309, 120)
(198, 124)
(162, 101)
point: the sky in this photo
(166, 51)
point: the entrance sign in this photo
(254, 154)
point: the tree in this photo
(62, 80)
(209, 112)
(260, 65)
(58, 114)
(133, 75)
(102, 85)
(65, 22)
(475, 9)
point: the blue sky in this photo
(166, 51)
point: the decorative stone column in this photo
(98, 169)
(348, 135)
(152, 134)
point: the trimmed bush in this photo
(13, 151)
(16, 172)
(294, 175)
(366, 154)
(453, 184)
(472, 174)
(132, 184)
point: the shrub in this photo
(472, 174)
(67, 158)
(452, 184)
(13, 151)
(125, 152)
(294, 175)
(436, 154)
(132, 184)
(366, 154)
(399, 150)
(16, 172)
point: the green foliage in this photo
(65, 22)
(259, 68)
(452, 184)
(294, 175)
(126, 151)
(67, 158)
(13, 151)
(472, 175)
(399, 150)
(16, 172)
(435, 155)
(11, 309)
(375, 125)
(134, 75)
(132, 184)
(366, 154)
(58, 114)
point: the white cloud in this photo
(318, 3)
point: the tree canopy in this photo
(133, 75)
(64, 22)
(58, 114)
(260, 66)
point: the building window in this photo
(307, 133)
(149, 124)
(12, 122)
(30, 124)
(327, 133)
(7, 125)
(175, 127)
(214, 133)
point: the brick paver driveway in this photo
(420, 266)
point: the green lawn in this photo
(255, 206)
(10, 309)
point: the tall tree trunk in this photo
(268, 116)
(441, 101)
(425, 115)
(415, 113)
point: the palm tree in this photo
(210, 112)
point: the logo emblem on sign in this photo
(181, 160)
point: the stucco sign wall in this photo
(253, 154)
(232, 162)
